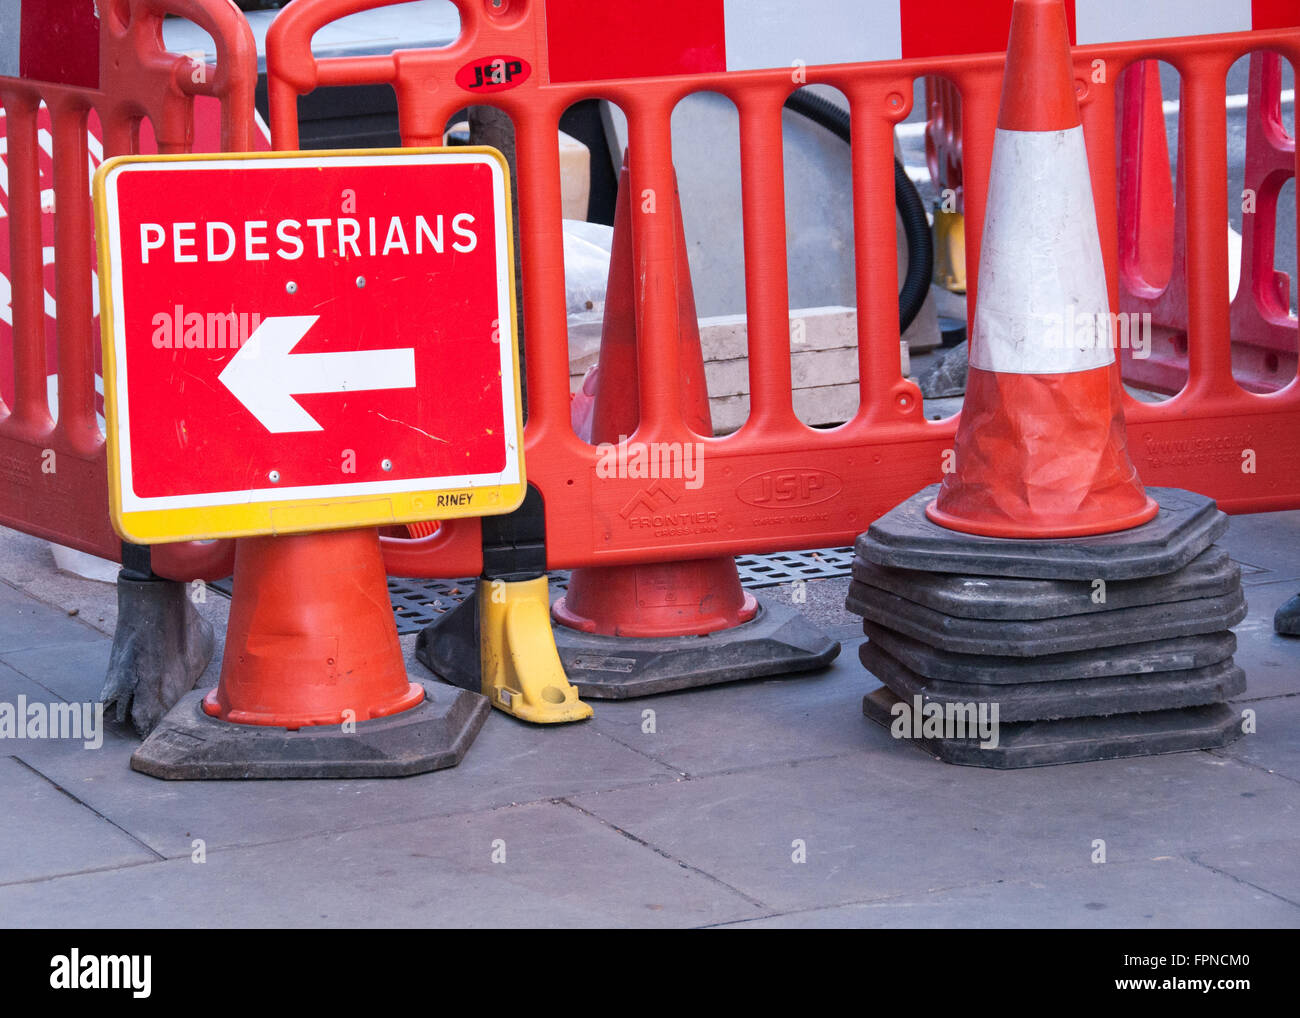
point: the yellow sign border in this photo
(293, 516)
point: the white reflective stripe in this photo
(11, 23)
(1042, 306)
(777, 33)
(1126, 20)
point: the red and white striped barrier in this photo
(593, 42)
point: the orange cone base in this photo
(312, 639)
(656, 599)
(1031, 461)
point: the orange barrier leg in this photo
(634, 630)
(313, 683)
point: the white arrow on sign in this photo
(265, 374)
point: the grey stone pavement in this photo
(694, 825)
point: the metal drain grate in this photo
(416, 603)
(788, 566)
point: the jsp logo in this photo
(496, 72)
(493, 74)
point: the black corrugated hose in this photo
(916, 227)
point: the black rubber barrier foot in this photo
(1187, 524)
(1135, 658)
(1211, 574)
(449, 646)
(777, 641)
(1286, 620)
(190, 745)
(1072, 698)
(1074, 740)
(160, 648)
(1035, 637)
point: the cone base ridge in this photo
(1042, 530)
(191, 745)
(1185, 524)
(779, 641)
(656, 600)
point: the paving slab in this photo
(510, 762)
(1270, 542)
(1157, 894)
(877, 825)
(72, 671)
(27, 624)
(14, 684)
(561, 868)
(56, 835)
(1268, 865)
(1275, 744)
(1271, 662)
(746, 724)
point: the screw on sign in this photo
(308, 342)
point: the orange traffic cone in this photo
(313, 682)
(630, 614)
(655, 599)
(311, 638)
(1040, 448)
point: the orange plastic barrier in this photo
(55, 476)
(1153, 277)
(776, 483)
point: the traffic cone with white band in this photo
(1040, 448)
(954, 618)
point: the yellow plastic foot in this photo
(950, 250)
(522, 673)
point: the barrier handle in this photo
(292, 69)
(137, 44)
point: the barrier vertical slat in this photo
(1098, 116)
(654, 260)
(542, 286)
(762, 176)
(979, 102)
(30, 413)
(875, 258)
(1206, 168)
(72, 277)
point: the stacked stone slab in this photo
(1092, 648)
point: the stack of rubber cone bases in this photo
(625, 631)
(1039, 606)
(1084, 648)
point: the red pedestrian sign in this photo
(307, 341)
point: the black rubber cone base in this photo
(778, 641)
(1134, 658)
(190, 745)
(1035, 637)
(1187, 524)
(1211, 574)
(1071, 698)
(1074, 740)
